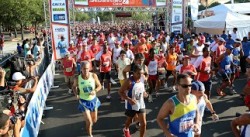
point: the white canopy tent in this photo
(224, 21)
(242, 8)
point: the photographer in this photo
(6, 126)
(243, 121)
(20, 81)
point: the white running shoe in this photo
(70, 91)
(150, 98)
(108, 97)
(166, 85)
(173, 88)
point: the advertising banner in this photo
(194, 9)
(59, 11)
(116, 3)
(161, 3)
(81, 3)
(36, 105)
(59, 46)
(177, 16)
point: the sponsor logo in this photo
(60, 30)
(58, 4)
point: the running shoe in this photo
(126, 132)
(232, 91)
(150, 98)
(166, 85)
(108, 97)
(70, 91)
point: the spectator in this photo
(1, 43)
(27, 48)
(62, 46)
(6, 126)
(234, 34)
(246, 51)
(223, 35)
(36, 49)
(243, 121)
(21, 80)
(19, 49)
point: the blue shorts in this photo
(78, 68)
(224, 76)
(91, 105)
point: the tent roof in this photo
(237, 7)
(228, 18)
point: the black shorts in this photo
(169, 72)
(216, 65)
(105, 76)
(131, 113)
(225, 76)
(208, 85)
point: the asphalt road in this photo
(66, 121)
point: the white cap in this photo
(71, 42)
(18, 76)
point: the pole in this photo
(46, 26)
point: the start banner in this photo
(59, 11)
(116, 3)
(60, 46)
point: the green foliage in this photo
(142, 16)
(81, 16)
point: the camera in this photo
(18, 115)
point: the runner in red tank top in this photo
(105, 68)
(69, 66)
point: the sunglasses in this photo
(185, 86)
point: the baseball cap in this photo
(198, 85)
(221, 39)
(230, 47)
(3, 118)
(237, 41)
(186, 57)
(71, 42)
(18, 76)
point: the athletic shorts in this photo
(208, 85)
(79, 68)
(131, 113)
(161, 75)
(169, 72)
(105, 76)
(69, 79)
(225, 76)
(152, 77)
(91, 105)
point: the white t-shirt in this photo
(121, 65)
(198, 61)
(130, 55)
(116, 53)
(197, 51)
(152, 67)
(234, 36)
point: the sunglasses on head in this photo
(185, 86)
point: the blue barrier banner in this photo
(37, 103)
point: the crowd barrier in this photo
(37, 102)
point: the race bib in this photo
(68, 69)
(161, 70)
(185, 126)
(173, 63)
(106, 64)
(227, 67)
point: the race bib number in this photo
(106, 64)
(227, 67)
(185, 126)
(68, 69)
(173, 63)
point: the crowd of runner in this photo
(143, 61)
